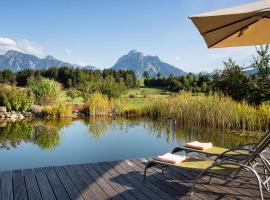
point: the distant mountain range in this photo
(136, 61)
(16, 61)
(140, 63)
(251, 72)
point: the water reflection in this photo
(176, 130)
(46, 134)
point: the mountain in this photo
(16, 61)
(139, 63)
(90, 67)
(251, 72)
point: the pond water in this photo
(40, 143)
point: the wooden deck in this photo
(117, 181)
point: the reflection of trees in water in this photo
(176, 130)
(13, 133)
(99, 126)
(44, 133)
(171, 129)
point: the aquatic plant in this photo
(98, 104)
(58, 110)
(213, 110)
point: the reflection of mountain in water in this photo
(46, 133)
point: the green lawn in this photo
(64, 97)
(146, 91)
(140, 95)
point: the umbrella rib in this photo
(235, 22)
(233, 33)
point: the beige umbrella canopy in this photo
(243, 25)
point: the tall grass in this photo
(98, 104)
(214, 111)
(58, 110)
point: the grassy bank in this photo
(201, 110)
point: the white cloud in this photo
(67, 51)
(22, 45)
(177, 58)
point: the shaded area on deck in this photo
(118, 180)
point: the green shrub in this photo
(15, 98)
(46, 91)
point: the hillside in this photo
(139, 63)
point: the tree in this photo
(158, 74)
(231, 81)
(260, 84)
(262, 62)
(146, 74)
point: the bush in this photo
(14, 98)
(46, 91)
(58, 110)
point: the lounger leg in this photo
(195, 182)
(258, 181)
(148, 165)
(259, 184)
(210, 180)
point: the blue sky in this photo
(98, 32)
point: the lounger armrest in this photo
(221, 156)
(178, 149)
(226, 159)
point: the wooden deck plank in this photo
(185, 179)
(108, 189)
(203, 187)
(68, 184)
(56, 184)
(179, 191)
(243, 190)
(117, 177)
(6, 186)
(119, 188)
(120, 180)
(79, 183)
(19, 187)
(44, 185)
(127, 165)
(235, 190)
(92, 183)
(134, 181)
(31, 185)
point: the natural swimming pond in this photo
(40, 143)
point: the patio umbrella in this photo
(244, 25)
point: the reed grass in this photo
(213, 110)
(98, 104)
(58, 110)
(216, 111)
